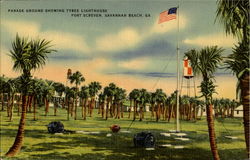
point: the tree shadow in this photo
(119, 146)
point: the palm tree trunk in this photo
(62, 102)
(83, 100)
(121, 109)
(92, 106)
(211, 131)
(135, 106)
(143, 107)
(18, 105)
(20, 133)
(11, 107)
(157, 112)
(2, 101)
(8, 106)
(89, 106)
(244, 85)
(232, 112)
(46, 102)
(194, 112)
(166, 112)
(103, 105)
(111, 109)
(162, 111)
(130, 107)
(152, 110)
(228, 114)
(201, 108)
(30, 103)
(85, 109)
(140, 111)
(72, 107)
(107, 108)
(99, 107)
(170, 112)
(190, 111)
(55, 106)
(224, 112)
(68, 110)
(75, 108)
(118, 110)
(34, 108)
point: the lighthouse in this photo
(187, 77)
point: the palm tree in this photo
(11, 87)
(27, 56)
(130, 97)
(102, 101)
(109, 92)
(143, 100)
(76, 78)
(234, 14)
(69, 96)
(47, 92)
(234, 104)
(160, 99)
(119, 97)
(208, 60)
(94, 88)
(185, 107)
(37, 88)
(152, 103)
(135, 94)
(2, 88)
(59, 88)
(216, 107)
(172, 104)
(238, 63)
(84, 95)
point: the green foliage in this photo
(84, 93)
(160, 96)
(59, 88)
(234, 15)
(77, 78)
(94, 88)
(205, 62)
(109, 90)
(29, 55)
(120, 95)
(207, 90)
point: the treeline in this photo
(110, 100)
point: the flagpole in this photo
(178, 73)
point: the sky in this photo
(133, 51)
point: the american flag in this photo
(167, 15)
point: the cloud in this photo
(156, 46)
(129, 37)
(64, 40)
(6, 63)
(61, 40)
(169, 26)
(98, 63)
(219, 39)
(24, 28)
(125, 38)
(135, 64)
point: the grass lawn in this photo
(39, 144)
